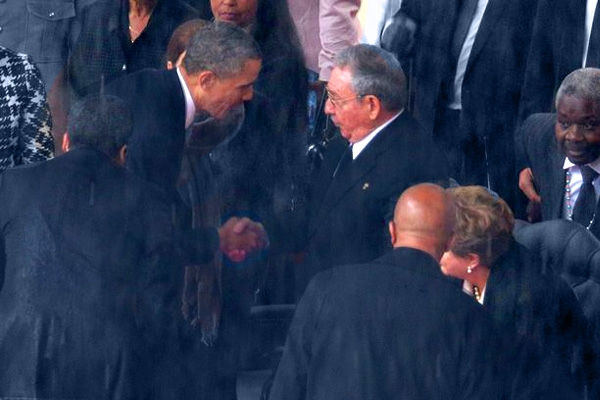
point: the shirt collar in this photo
(595, 165)
(359, 146)
(190, 108)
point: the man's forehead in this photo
(340, 80)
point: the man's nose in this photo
(574, 132)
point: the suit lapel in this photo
(491, 16)
(352, 176)
(557, 181)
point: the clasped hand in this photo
(241, 236)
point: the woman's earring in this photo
(469, 269)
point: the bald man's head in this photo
(424, 219)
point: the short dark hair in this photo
(222, 48)
(375, 72)
(181, 38)
(102, 122)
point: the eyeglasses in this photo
(338, 102)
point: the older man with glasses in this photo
(382, 152)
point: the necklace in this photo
(568, 201)
(477, 293)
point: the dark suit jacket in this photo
(85, 267)
(158, 104)
(556, 50)
(542, 154)
(493, 78)
(394, 328)
(544, 311)
(348, 215)
(570, 251)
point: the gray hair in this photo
(582, 83)
(221, 48)
(375, 72)
(101, 122)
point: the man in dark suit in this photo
(86, 267)
(566, 37)
(220, 65)
(353, 196)
(563, 151)
(468, 62)
(393, 328)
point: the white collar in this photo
(359, 146)
(595, 165)
(190, 108)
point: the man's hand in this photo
(526, 185)
(241, 236)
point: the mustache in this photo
(575, 146)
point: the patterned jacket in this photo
(25, 121)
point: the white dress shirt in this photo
(190, 108)
(575, 182)
(465, 53)
(359, 146)
(590, 10)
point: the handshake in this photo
(240, 237)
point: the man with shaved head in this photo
(393, 328)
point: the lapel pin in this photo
(365, 186)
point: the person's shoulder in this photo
(10, 59)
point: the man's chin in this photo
(580, 157)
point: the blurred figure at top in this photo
(118, 37)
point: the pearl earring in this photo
(469, 269)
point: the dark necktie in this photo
(463, 21)
(584, 210)
(593, 54)
(345, 161)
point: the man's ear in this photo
(392, 229)
(122, 157)
(66, 143)
(374, 105)
(474, 260)
(207, 79)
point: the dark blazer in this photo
(394, 328)
(570, 251)
(493, 78)
(156, 148)
(545, 312)
(556, 50)
(86, 294)
(542, 154)
(349, 215)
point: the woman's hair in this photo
(484, 224)
(275, 28)
(181, 38)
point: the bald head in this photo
(423, 219)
